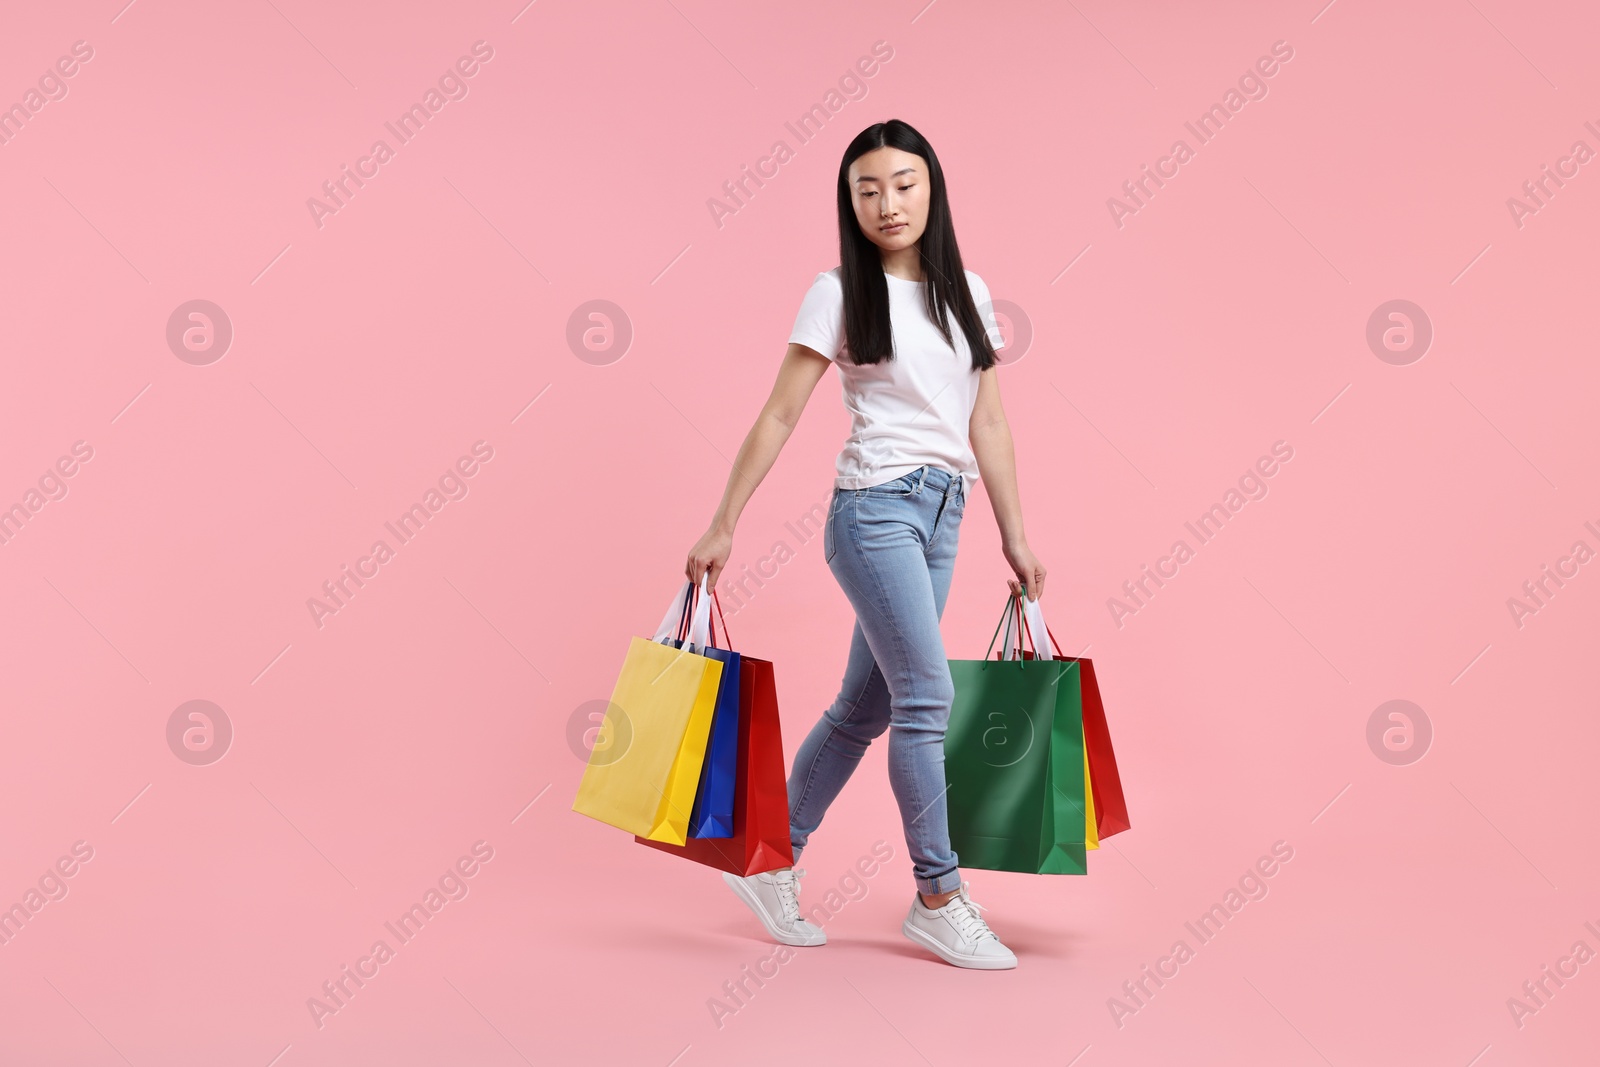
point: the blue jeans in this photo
(892, 548)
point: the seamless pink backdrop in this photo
(1167, 349)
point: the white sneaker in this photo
(775, 898)
(957, 934)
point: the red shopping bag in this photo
(1110, 809)
(1105, 784)
(760, 840)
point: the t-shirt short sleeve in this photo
(985, 303)
(820, 323)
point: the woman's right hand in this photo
(710, 553)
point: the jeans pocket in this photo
(904, 485)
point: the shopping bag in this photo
(1105, 800)
(1110, 807)
(760, 839)
(1015, 627)
(712, 814)
(1091, 832)
(663, 702)
(1014, 765)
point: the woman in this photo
(900, 319)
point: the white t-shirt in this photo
(909, 410)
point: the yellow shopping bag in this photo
(645, 766)
(1091, 837)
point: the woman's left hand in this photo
(1029, 571)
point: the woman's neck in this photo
(905, 264)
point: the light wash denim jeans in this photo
(892, 548)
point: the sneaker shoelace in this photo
(788, 885)
(969, 924)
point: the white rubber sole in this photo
(746, 894)
(938, 948)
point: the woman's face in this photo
(890, 188)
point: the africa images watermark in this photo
(51, 86)
(52, 485)
(452, 485)
(1538, 591)
(804, 529)
(1538, 192)
(1537, 992)
(52, 885)
(452, 85)
(1252, 485)
(737, 192)
(1252, 85)
(1252, 886)
(451, 885)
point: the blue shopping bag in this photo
(712, 815)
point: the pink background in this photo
(433, 710)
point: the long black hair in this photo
(866, 290)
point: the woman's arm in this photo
(990, 435)
(798, 375)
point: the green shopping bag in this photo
(1014, 759)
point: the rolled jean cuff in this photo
(945, 883)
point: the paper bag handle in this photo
(699, 633)
(1014, 622)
